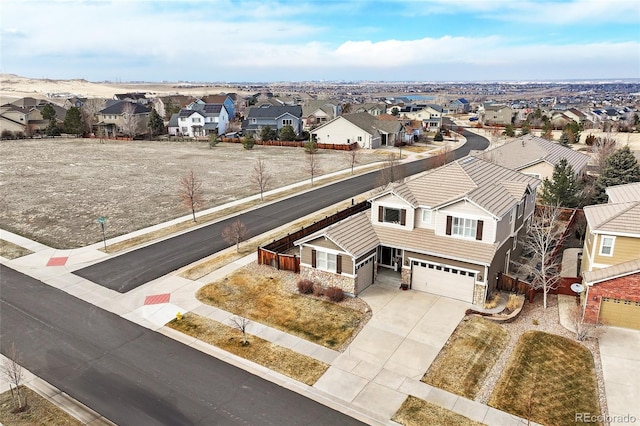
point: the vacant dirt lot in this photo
(54, 190)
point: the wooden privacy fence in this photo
(512, 284)
(272, 253)
(297, 144)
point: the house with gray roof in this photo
(199, 119)
(366, 130)
(448, 232)
(317, 112)
(117, 119)
(274, 116)
(534, 156)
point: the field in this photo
(53, 191)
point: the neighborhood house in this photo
(447, 239)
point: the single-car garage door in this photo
(620, 313)
(443, 280)
(364, 275)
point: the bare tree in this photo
(235, 233)
(584, 330)
(313, 166)
(191, 192)
(241, 323)
(443, 156)
(260, 177)
(130, 120)
(601, 149)
(392, 172)
(352, 157)
(544, 233)
(89, 111)
(12, 370)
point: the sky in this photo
(321, 40)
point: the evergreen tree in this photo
(620, 167)
(287, 134)
(268, 134)
(508, 130)
(48, 113)
(565, 138)
(73, 121)
(156, 125)
(563, 189)
(438, 137)
(525, 129)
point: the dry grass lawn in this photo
(548, 379)
(467, 357)
(263, 299)
(11, 251)
(40, 412)
(285, 361)
(418, 412)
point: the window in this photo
(392, 215)
(359, 138)
(426, 216)
(196, 119)
(520, 209)
(326, 261)
(183, 119)
(464, 227)
(606, 246)
(287, 122)
(254, 120)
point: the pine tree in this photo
(565, 138)
(73, 121)
(620, 167)
(156, 125)
(563, 189)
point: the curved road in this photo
(137, 267)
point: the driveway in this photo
(620, 355)
(396, 347)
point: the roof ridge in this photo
(631, 204)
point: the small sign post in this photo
(102, 220)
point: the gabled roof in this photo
(189, 112)
(610, 272)
(274, 112)
(491, 187)
(355, 235)
(528, 150)
(363, 120)
(173, 121)
(118, 108)
(618, 218)
(624, 193)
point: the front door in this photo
(389, 257)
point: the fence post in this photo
(278, 261)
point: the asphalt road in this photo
(132, 269)
(132, 375)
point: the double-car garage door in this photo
(442, 280)
(620, 313)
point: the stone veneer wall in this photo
(328, 279)
(479, 294)
(405, 276)
(627, 288)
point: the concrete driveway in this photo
(396, 347)
(620, 355)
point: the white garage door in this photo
(443, 281)
(364, 274)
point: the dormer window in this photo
(464, 227)
(426, 216)
(392, 215)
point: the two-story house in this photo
(448, 232)
(497, 114)
(276, 117)
(123, 117)
(317, 112)
(430, 117)
(459, 106)
(366, 130)
(534, 156)
(374, 109)
(611, 259)
(199, 120)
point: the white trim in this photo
(362, 262)
(444, 265)
(328, 250)
(590, 283)
(466, 200)
(617, 234)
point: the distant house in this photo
(430, 117)
(362, 128)
(74, 102)
(137, 97)
(25, 115)
(374, 109)
(160, 103)
(459, 106)
(276, 117)
(497, 114)
(199, 120)
(222, 99)
(14, 118)
(37, 123)
(534, 156)
(116, 119)
(447, 232)
(317, 112)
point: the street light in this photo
(102, 220)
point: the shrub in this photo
(305, 286)
(248, 142)
(213, 140)
(318, 290)
(438, 137)
(493, 301)
(335, 294)
(6, 134)
(590, 140)
(514, 302)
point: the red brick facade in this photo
(627, 288)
